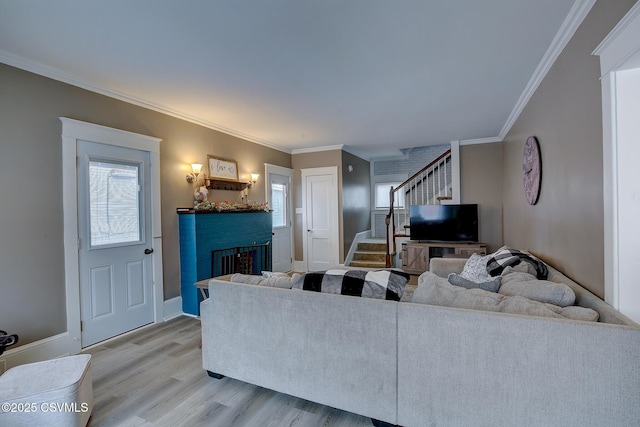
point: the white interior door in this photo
(115, 237)
(320, 221)
(279, 198)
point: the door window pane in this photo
(279, 203)
(114, 205)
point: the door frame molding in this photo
(329, 170)
(619, 50)
(72, 132)
(280, 170)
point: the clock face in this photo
(531, 170)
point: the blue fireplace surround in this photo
(203, 232)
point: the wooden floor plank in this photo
(154, 377)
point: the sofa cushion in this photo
(382, 284)
(435, 290)
(275, 280)
(491, 285)
(475, 269)
(527, 286)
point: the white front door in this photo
(114, 229)
(279, 198)
(321, 239)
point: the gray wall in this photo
(481, 183)
(565, 228)
(32, 291)
(356, 198)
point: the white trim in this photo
(620, 44)
(280, 170)
(618, 50)
(172, 308)
(610, 186)
(299, 266)
(317, 149)
(359, 237)
(576, 15)
(72, 132)
(479, 141)
(44, 349)
(455, 174)
(55, 74)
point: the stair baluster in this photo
(434, 184)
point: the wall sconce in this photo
(192, 177)
(254, 178)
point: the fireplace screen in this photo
(251, 259)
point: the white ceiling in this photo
(372, 75)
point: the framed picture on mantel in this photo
(223, 169)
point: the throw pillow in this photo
(503, 258)
(436, 290)
(491, 285)
(381, 284)
(521, 267)
(527, 286)
(475, 269)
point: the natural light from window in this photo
(278, 203)
(114, 206)
(382, 195)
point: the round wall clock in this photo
(531, 170)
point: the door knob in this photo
(148, 251)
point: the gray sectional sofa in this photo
(418, 364)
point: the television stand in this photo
(416, 255)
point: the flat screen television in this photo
(444, 223)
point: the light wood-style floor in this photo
(154, 377)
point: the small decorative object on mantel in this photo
(225, 206)
(200, 195)
(531, 170)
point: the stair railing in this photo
(429, 185)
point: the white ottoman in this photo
(55, 392)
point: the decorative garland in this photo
(249, 206)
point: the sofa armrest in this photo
(443, 266)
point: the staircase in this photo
(371, 253)
(430, 185)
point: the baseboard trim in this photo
(299, 266)
(359, 237)
(44, 349)
(172, 308)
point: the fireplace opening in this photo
(252, 259)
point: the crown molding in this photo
(477, 141)
(55, 74)
(619, 49)
(576, 15)
(317, 149)
(618, 29)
